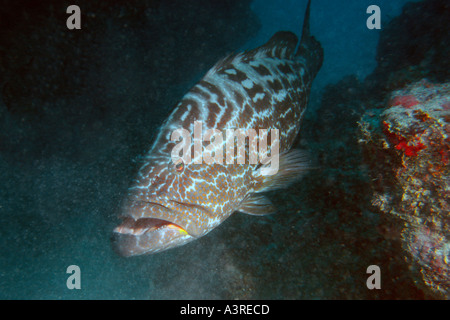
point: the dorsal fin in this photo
(305, 32)
(309, 48)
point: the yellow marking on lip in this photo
(175, 227)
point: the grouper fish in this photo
(171, 203)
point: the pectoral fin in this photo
(292, 165)
(257, 205)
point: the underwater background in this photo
(79, 108)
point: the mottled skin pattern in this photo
(170, 203)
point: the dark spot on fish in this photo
(214, 110)
(214, 90)
(193, 113)
(200, 92)
(238, 77)
(275, 85)
(285, 68)
(227, 116)
(262, 70)
(247, 114)
(181, 109)
(262, 103)
(254, 90)
(239, 98)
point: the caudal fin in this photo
(309, 48)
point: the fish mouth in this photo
(145, 235)
(154, 226)
(137, 226)
(140, 226)
(152, 214)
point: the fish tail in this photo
(310, 48)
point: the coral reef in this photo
(412, 135)
(401, 125)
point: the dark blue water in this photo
(76, 115)
(330, 21)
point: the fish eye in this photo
(179, 166)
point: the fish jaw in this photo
(146, 236)
(156, 218)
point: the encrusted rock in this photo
(410, 138)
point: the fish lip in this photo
(126, 242)
(140, 226)
(135, 225)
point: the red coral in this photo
(444, 156)
(401, 143)
(406, 101)
(393, 138)
(410, 150)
